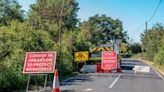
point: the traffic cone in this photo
(56, 87)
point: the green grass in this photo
(95, 58)
(138, 56)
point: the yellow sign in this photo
(101, 49)
(81, 56)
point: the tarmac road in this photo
(127, 81)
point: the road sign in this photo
(105, 45)
(95, 49)
(109, 60)
(81, 56)
(40, 62)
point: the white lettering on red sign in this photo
(109, 60)
(40, 62)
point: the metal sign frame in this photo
(45, 81)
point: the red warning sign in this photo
(40, 62)
(109, 60)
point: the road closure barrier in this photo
(56, 87)
(141, 69)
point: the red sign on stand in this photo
(40, 62)
(109, 60)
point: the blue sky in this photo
(133, 13)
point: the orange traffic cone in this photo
(56, 87)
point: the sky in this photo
(133, 13)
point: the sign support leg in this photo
(77, 66)
(50, 80)
(45, 82)
(28, 82)
(36, 83)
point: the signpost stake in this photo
(28, 83)
(50, 80)
(36, 83)
(35, 75)
(77, 65)
(45, 82)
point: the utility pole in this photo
(42, 10)
(60, 25)
(146, 25)
(60, 29)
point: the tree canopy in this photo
(151, 40)
(10, 10)
(103, 29)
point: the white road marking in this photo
(157, 73)
(114, 82)
(88, 89)
(154, 70)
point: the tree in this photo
(151, 41)
(159, 58)
(125, 50)
(136, 48)
(65, 10)
(10, 10)
(59, 19)
(103, 29)
(15, 42)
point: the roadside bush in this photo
(159, 58)
(151, 41)
(15, 41)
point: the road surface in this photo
(127, 81)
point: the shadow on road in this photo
(80, 80)
(85, 78)
(68, 91)
(140, 76)
(129, 64)
(76, 80)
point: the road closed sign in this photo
(109, 60)
(40, 62)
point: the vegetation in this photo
(10, 10)
(51, 25)
(130, 49)
(151, 41)
(103, 29)
(152, 46)
(15, 42)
